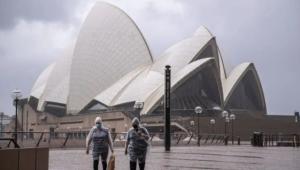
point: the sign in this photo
(167, 116)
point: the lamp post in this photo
(232, 117)
(198, 111)
(139, 105)
(1, 114)
(212, 122)
(226, 124)
(16, 95)
(192, 126)
(225, 114)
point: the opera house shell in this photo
(110, 67)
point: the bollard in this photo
(298, 140)
(294, 140)
(252, 141)
(239, 140)
(226, 140)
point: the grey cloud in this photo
(11, 11)
(263, 32)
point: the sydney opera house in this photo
(110, 67)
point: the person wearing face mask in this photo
(101, 138)
(137, 144)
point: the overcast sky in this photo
(34, 33)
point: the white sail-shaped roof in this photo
(177, 56)
(115, 90)
(177, 78)
(57, 86)
(39, 86)
(112, 64)
(108, 47)
(236, 76)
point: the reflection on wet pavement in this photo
(212, 161)
(180, 158)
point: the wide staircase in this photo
(245, 125)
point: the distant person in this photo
(137, 140)
(101, 138)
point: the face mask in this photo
(135, 126)
(98, 125)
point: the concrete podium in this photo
(24, 159)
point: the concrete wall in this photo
(24, 159)
(114, 120)
(32, 118)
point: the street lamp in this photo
(198, 111)
(1, 114)
(139, 105)
(225, 114)
(212, 122)
(226, 122)
(232, 117)
(16, 95)
(192, 125)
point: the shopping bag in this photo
(111, 164)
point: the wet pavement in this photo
(188, 158)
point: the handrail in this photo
(60, 139)
(11, 140)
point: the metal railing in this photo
(267, 140)
(78, 139)
(186, 125)
(11, 140)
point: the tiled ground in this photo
(205, 157)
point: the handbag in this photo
(111, 164)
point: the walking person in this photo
(102, 142)
(137, 144)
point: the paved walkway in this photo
(188, 158)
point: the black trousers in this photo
(96, 164)
(133, 165)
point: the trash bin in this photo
(257, 139)
(261, 139)
(226, 140)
